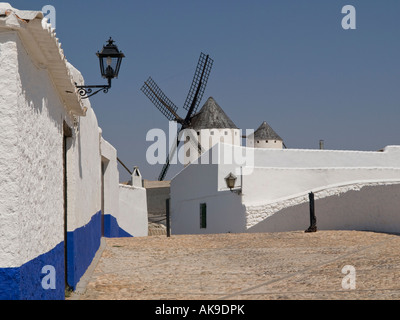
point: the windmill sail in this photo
(160, 100)
(169, 157)
(198, 84)
(164, 170)
(169, 110)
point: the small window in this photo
(235, 133)
(226, 133)
(187, 138)
(212, 133)
(266, 141)
(198, 133)
(203, 215)
(258, 141)
(275, 141)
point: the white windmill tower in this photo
(265, 138)
(208, 127)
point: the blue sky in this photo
(287, 62)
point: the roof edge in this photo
(40, 40)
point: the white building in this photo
(59, 182)
(353, 190)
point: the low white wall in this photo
(133, 210)
(110, 178)
(270, 184)
(361, 206)
(269, 174)
(304, 158)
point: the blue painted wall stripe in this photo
(9, 284)
(112, 228)
(25, 282)
(82, 245)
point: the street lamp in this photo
(230, 180)
(110, 59)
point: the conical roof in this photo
(265, 132)
(211, 116)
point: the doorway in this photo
(104, 164)
(67, 141)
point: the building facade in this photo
(354, 190)
(59, 185)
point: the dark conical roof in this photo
(211, 116)
(265, 132)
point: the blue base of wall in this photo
(25, 282)
(112, 229)
(9, 284)
(82, 245)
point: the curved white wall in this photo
(363, 206)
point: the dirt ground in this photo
(260, 266)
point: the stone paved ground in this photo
(271, 266)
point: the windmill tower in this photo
(210, 125)
(169, 109)
(265, 138)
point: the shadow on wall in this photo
(39, 93)
(372, 208)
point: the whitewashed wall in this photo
(111, 179)
(31, 167)
(133, 210)
(361, 206)
(37, 97)
(198, 184)
(272, 184)
(84, 173)
(279, 180)
(309, 158)
(125, 206)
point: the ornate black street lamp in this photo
(110, 59)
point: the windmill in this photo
(169, 109)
